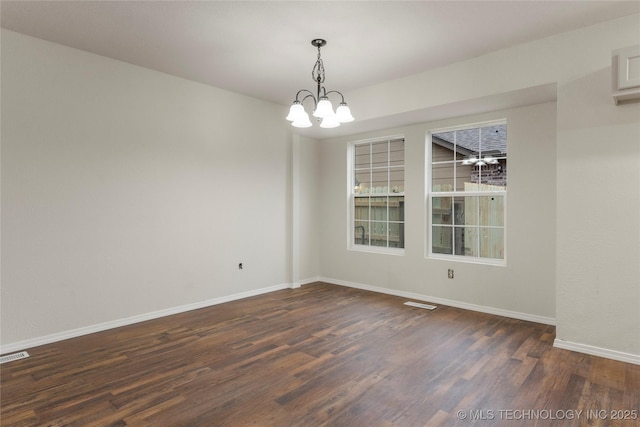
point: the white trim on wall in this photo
(597, 351)
(73, 333)
(307, 281)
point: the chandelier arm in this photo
(307, 91)
(315, 102)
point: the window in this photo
(377, 195)
(467, 193)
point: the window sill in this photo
(377, 250)
(469, 260)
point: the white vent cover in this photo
(420, 305)
(14, 356)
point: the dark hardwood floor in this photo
(319, 355)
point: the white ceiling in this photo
(262, 48)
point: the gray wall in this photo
(126, 191)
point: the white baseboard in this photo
(48, 339)
(309, 281)
(443, 301)
(597, 351)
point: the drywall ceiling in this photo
(262, 48)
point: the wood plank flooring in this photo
(320, 355)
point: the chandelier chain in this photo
(317, 74)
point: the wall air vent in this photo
(14, 356)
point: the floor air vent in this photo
(420, 305)
(14, 356)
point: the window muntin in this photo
(467, 197)
(377, 194)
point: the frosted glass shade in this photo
(324, 108)
(303, 122)
(330, 122)
(297, 113)
(343, 113)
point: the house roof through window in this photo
(490, 140)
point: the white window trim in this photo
(351, 196)
(428, 244)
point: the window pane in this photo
(492, 243)
(396, 152)
(361, 233)
(468, 141)
(442, 177)
(396, 208)
(378, 208)
(441, 240)
(464, 176)
(380, 154)
(441, 210)
(380, 183)
(396, 180)
(378, 234)
(396, 235)
(465, 210)
(446, 136)
(360, 208)
(362, 157)
(459, 210)
(461, 235)
(470, 239)
(362, 182)
(441, 150)
(494, 176)
(491, 210)
(494, 139)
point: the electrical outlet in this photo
(240, 266)
(450, 273)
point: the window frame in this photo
(352, 195)
(430, 195)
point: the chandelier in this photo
(477, 161)
(323, 109)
